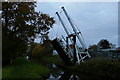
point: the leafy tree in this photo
(20, 26)
(41, 50)
(104, 44)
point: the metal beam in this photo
(62, 23)
(74, 29)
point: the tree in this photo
(104, 44)
(41, 50)
(20, 26)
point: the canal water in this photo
(57, 74)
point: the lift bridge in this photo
(68, 50)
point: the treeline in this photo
(21, 24)
(102, 44)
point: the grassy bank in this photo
(97, 68)
(49, 59)
(21, 68)
(55, 59)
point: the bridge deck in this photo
(63, 55)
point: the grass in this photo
(52, 59)
(21, 68)
(96, 68)
(49, 59)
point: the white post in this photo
(74, 29)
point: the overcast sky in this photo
(96, 20)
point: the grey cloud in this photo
(96, 20)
